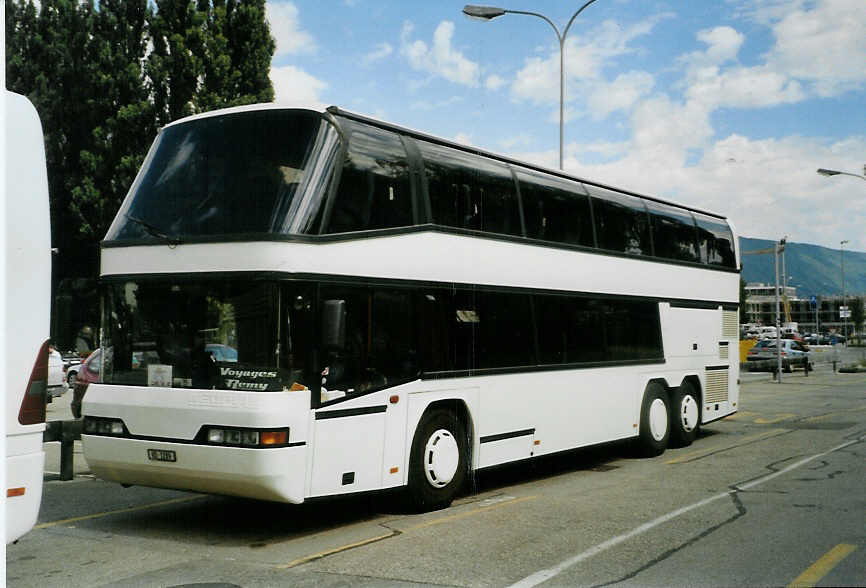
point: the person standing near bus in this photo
(84, 341)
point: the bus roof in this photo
(336, 110)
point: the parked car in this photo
(794, 353)
(88, 372)
(221, 352)
(71, 365)
(56, 382)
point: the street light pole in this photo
(833, 172)
(491, 12)
(779, 249)
(844, 293)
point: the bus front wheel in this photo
(437, 468)
(655, 421)
(686, 415)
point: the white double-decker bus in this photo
(302, 303)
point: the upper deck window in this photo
(374, 190)
(674, 233)
(555, 209)
(715, 240)
(621, 222)
(223, 175)
(469, 191)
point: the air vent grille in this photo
(730, 324)
(723, 350)
(717, 386)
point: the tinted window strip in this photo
(509, 435)
(350, 412)
(557, 173)
(714, 368)
(400, 283)
(695, 304)
(538, 368)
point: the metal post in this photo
(778, 321)
(844, 293)
(67, 451)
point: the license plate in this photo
(161, 455)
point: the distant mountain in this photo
(813, 269)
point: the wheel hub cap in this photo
(658, 419)
(688, 413)
(441, 458)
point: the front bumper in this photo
(267, 474)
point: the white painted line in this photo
(546, 574)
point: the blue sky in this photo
(727, 105)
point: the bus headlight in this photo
(103, 426)
(253, 438)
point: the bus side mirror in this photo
(334, 325)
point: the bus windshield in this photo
(233, 174)
(208, 334)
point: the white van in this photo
(26, 306)
(767, 333)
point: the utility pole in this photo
(779, 249)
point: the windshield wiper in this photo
(154, 231)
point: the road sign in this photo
(844, 312)
(813, 301)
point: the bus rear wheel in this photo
(438, 463)
(655, 421)
(685, 415)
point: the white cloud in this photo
(463, 139)
(585, 56)
(620, 94)
(293, 85)
(494, 82)
(743, 87)
(427, 105)
(440, 58)
(523, 140)
(825, 46)
(723, 44)
(381, 51)
(285, 25)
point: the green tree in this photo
(104, 75)
(176, 63)
(124, 116)
(238, 52)
(49, 51)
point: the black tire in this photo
(438, 464)
(655, 421)
(786, 367)
(70, 378)
(685, 415)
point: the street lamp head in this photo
(482, 12)
(828, 172)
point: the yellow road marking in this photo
(321, 554)
(779, 417)
(439, 521)
(743, 414)
(118, 511)
(822, 567)
(740, 443)
(463, 515)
